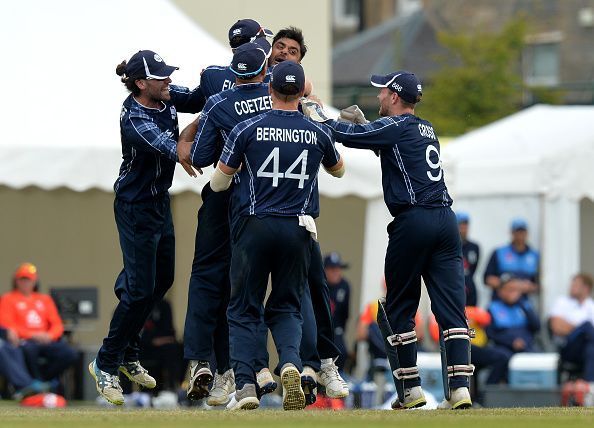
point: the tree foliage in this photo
(478, 82)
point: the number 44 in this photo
(289, 173)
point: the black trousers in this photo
(206, 328)
(425, 243)
(275, 247)
(147, 241)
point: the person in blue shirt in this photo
(280, 153)
(517, 259)
(423, 237)
(470, 258)
(149, 133)
(514, 322)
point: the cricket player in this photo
(206, 318)
(149, 133)
(209, 280)
(215, 78)
(423, 237)
(280, 152)
(318, 349)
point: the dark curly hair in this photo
(129, 83)
(292, 33)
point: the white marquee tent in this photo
(63, 98)
(535, 164)
(69, 98)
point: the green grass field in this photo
(480, 418)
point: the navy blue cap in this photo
(462, 217)
(264, 45)
(148, 65)
(404, 83)
(519, 224)
(287, 73)
(334, 260)
(249, 59)
(248, 30)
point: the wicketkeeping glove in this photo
(313, 110)
(353, 114)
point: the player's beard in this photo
(383, 110)
(159, 92)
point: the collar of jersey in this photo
(149, 108)
(285, 112)
(251, 85)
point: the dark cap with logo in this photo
(246, 30)
(404, 83)
(250, 58)
(148, 65)
(288, 78)
(334, 260)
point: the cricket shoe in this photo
(266, 382)
(413, 397)
(138, 374)
(200, 378)
(293, 396)
(330, 379)
(108, 385)
(223, 385)
(245, 398)
(309, 384)
(459, 399)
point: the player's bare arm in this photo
(336, 170)
(184, 147)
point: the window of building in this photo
(542, 64)
(346, 13)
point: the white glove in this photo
(353, 114)
(313, 110)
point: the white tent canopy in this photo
(534, 164)
(69, 98)
(534, 151)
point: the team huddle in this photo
(266, 134)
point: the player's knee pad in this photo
(457, 343)
(462, 333)
(405, 345)
(402, 338)
(405, 373)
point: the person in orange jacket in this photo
(34, 318)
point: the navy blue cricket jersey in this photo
(217, 78)
(280, 152)
(220, 115)
(410, 159)
(149, 140)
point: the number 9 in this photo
(432, 165)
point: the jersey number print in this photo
(289, 173)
